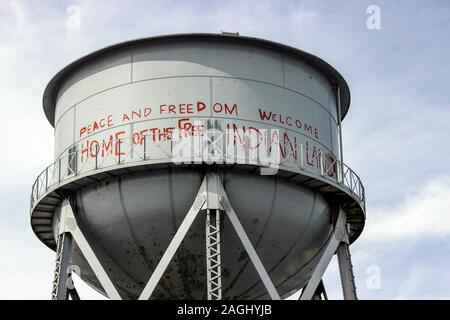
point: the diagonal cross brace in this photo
(338, 239)
(173, 247)
(211, 195)
(248, 246)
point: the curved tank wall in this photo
(155, 89)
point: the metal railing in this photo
(83, 160)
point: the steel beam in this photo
(320, 293)
(346, 272)
(248, 245)
(198, 204)
(170, 252)
(74, 294)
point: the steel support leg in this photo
(64, 246)
(68, 229)
(346, 271)
(213, 259)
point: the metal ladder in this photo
(59, 290)
(213, 262)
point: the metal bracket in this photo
(211, 196)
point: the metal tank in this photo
(263, 124)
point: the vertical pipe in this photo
(341, 152)
(46, 179)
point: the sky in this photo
(395, 56)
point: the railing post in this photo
(344, 174)
(145, 147)
(359, 190)
(363, 196)
(33, 194)
(302, 164)
(96, 156)
(76, 161)
(351, 181)
(321, 163)
(59, 170)
(46, 179)
(118, 141)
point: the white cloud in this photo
(26, 270)
(18, 13)
(423, 214)
(418, 279)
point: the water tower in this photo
(198, 166)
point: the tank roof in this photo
(50, 93)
